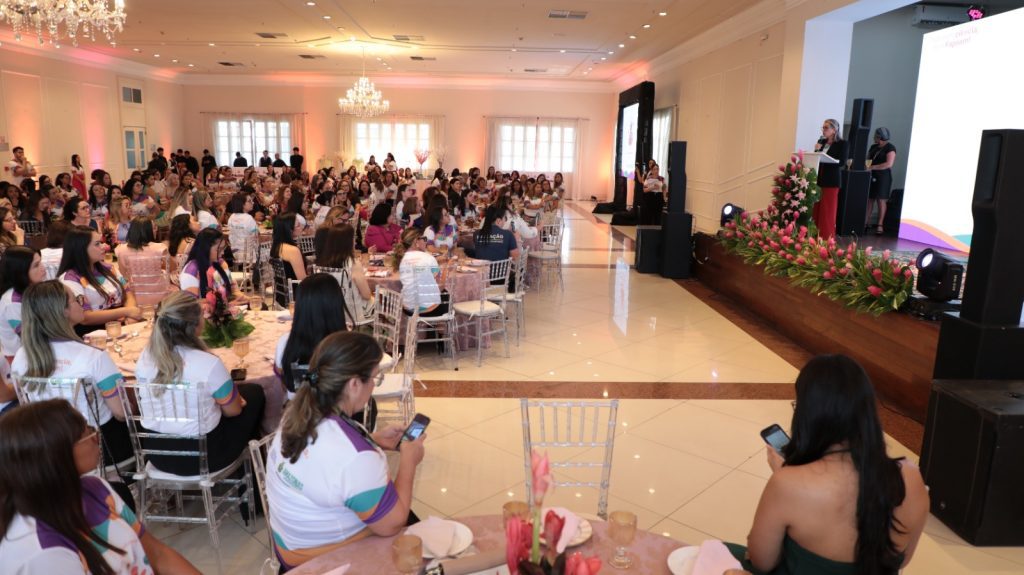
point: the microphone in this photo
(821, 143)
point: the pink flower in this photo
(867, 251)
(839, 252)
(576, 564)
(886, 254)
(827, 275)
(801, 261)
(553, 524)
(875, 290)
(740, 235)
(774, 244)
(877, 273)
(540, 468)
(782, 253)
(907, 273)
(728, 234)
(517, 542)
(844, 271)
(799, 247)
(823, 253)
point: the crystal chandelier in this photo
(363, 100)
(71, 18)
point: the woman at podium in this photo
(832, 144)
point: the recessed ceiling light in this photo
(632, 36)
(309, 45)
(136, 50)
(310, 3)
(562, 51)
(156, 55)
(211, 44)
(603, 58)
(191, 65)
(174, 61)
(662, 13)
(622, 45)
(514, 50)
(327, 17)
(610, 52)
(646, 26)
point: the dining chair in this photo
(306, 245)
(360, 313)
(31, 228)
(284, 288)
(397, 387)
(179, 264)
(559, 426)
(440, 328)
(220, 490)
(246, 260)
(550, 254)
(147, 276)
(516, 297)
(387, 322)
(480, 312)
(258, 454)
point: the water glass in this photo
(113, 329)
(98, 340)
(241, 348)
(291, 309)
(255, 303)
(621, 530)
(407, 554)
(518, 509)
(148, 313)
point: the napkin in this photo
(714, 558)
(474, 563)
(341, 570)
(572, 525)
(437, 534)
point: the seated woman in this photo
(100, 289)
(383, 232)
(140, 245)
(10, 233)
(118, 220)
(493, 241)
(319, 312)
(51, 348)
(284, 248)
(439, 233)
(38, 209)
(206, 269)
(176, 354)
(836, 502)
(412, 214)
(20, 267)
(182, 235)
(419, 273)
(339, 254)
(78, 212)
(202, 204)
(56, 518)
(243, 231)
(327, 476)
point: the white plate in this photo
(682, 560)
(477, 263)
(583, 533)
(461, 541)
(284, 316)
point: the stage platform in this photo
(897, 350)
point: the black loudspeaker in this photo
(852, 211)
(893, 212)
(994, 291)
(621, 191)
(859, 133)
(972, 350)
(648, 249)
(676, 245)
(676, 177)
(971, 459)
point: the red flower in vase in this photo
(553, 524)
(517, 542)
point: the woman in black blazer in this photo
(832, 144)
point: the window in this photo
(251, 137)
(131, 95)
(401, 137)
(536, 146)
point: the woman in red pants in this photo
(833, 144)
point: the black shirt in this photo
(241, 162)
(878, 154)
(296, 162)
(828, 174)
(279, 163)
(209, 163)
(266, 161)
(495, 246)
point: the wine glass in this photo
(255, 303)
(113, 329)
(241, 348)
(515, 509)
(407, 554)
(98, 340)
(148, 313)
(621, 530)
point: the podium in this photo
(814, 160)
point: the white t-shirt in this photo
(34, 548)
(417, 271)
(10, 323)
(75, 359)
(189, 277)
(205, 372)
(241, 227)
(207, 220)
(445, 239)
(337, 487)
(519, 226)
(181, 210)
(50, 258)
(16, 180)
(109, 297)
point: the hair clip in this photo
(311, 378)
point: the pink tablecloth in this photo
(373, 555)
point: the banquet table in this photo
(373, 555)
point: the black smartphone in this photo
(774, 435)
(416, 427)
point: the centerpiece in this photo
(522, 538)
(224, 321)
(421, 157)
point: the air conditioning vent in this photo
(271, 35)
(535, 70)
(408, 38)
(423, 58)
(232, 64)
(567, 14)
(312, 56)
(927, 16)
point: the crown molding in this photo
(483, 83)
(81, 57)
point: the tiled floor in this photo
(690, 468)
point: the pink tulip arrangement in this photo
(224, 323)
(522, 540)
(856, 277)
(794, 194)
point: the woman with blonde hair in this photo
(229, 415)
(202, 204)
(327, 476)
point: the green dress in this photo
(795, 561)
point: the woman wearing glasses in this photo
(327, 476)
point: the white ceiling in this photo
(482, 38)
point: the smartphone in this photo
(416, 427)
(774, 435)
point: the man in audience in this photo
(265, 161)
(20, 168)
(209, 164)
(278, 162)
(240, 162)
(191, 163)
(159, 161)
(296, 160)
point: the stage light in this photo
(975, 12)
(730, 212)
(938, 277)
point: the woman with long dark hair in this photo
(56, 519)
(493, 241)
(175, 353)
(78, 176)
(206, 268)
(20, 267)
(182, 234)
(836, 502)
(38, 208)
(10, 234)
(339, 253)
(141, 249)
(383, 232)
(51, 348)
(99, 288)
(322, 447)
(439, 233)
(284, 248)
(319, 312)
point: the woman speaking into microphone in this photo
(832, 144)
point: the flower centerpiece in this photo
(794, 194)
(522, 538)
(421, 157)
(224, 323)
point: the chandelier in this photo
(363, 100)
(57, 18)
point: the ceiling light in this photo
(156, 55)
(662, 13)
(174, 61)
(562, 51)
(646, 26)
(191, 65)
(610, 52)
(327, 17)
(622, 45)
(310, 3)
(632, 36)
(65, 18)
(136, 50)
(363, 100)
(603, 58)
(211, 44)
(514, 50)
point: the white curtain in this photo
(664, 132)
(251, 141)
(402, 135)
(535, 145)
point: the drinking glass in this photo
(255, 303)
(515, 509)
(291, 309)
(113, 329)
(148, 313)
(98, 340)
(621, 530)
(407, 554)
(241, 348)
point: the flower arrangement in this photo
(856, 277)
(421, 157)
(794, 194)
(522, 538)
(224, 323)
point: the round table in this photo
(373, 555)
